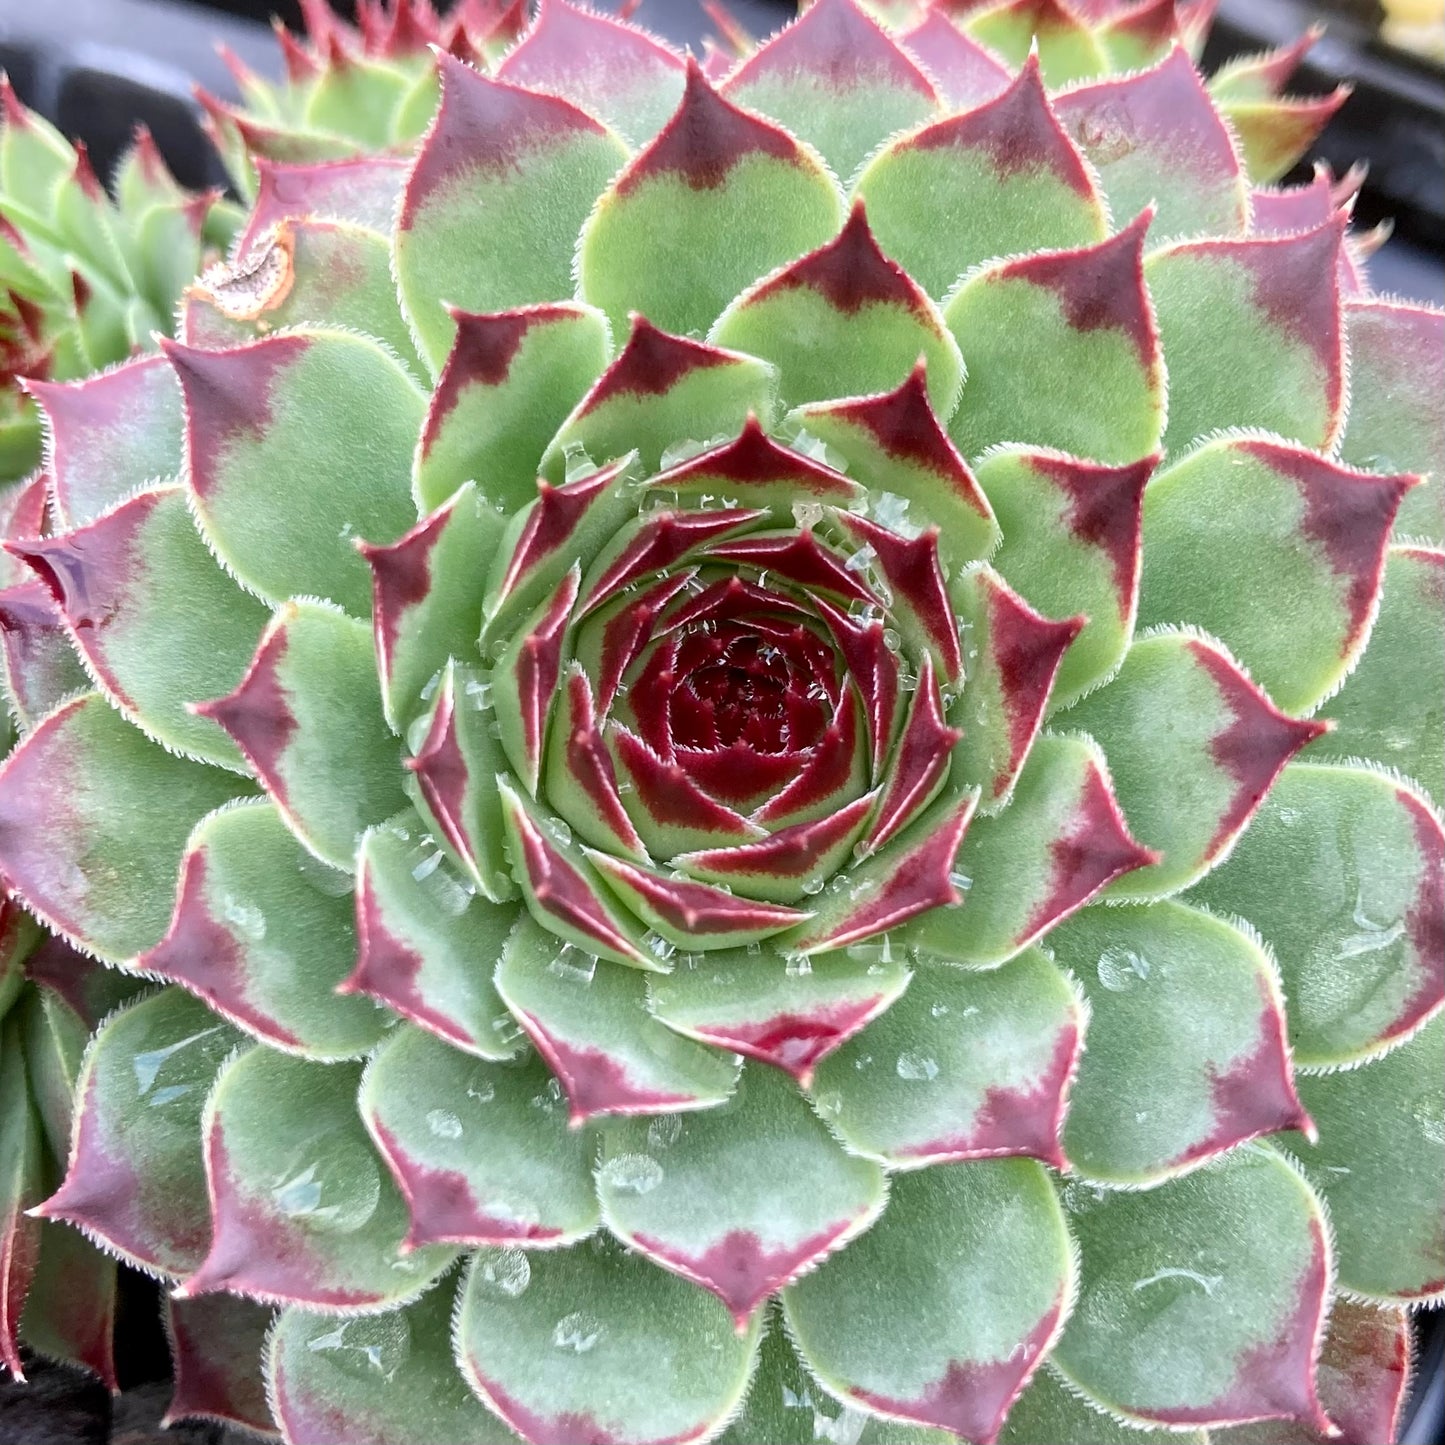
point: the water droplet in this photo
(503, 1273)
(938, 1011)
(482, 1089)
(578, 1332)
(917, 1068)
(336, 1186)
(1207, 1282)
(1429, 1113)
(444, 1124)
(148, 1065)
(797, 965)
(427, 867)
(573, 965)
(1120, 969)
(366, 1347)
(664, 1131)
(631, 1173)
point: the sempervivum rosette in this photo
(798, 739)
(86, 277)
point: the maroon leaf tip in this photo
(755, 459)
(973, 1399)
(850, 271)
(1100, 287)
(258, 714)
(1347, 514)
(1018, 130)
(485, 124)
(836, 43)
(652, 362)
(705, 138)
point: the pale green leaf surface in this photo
(603, 1341)
(481, 1150)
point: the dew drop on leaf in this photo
(503, 1273)
(1120, 969)
(917, 1068)
(1429, 1114)
(664, 1131)
(374, 1345)
(577, 1333)
(336, 1186)
(631, 1173)
(444, 1124)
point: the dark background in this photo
(97, 67)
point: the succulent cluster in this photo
(765, 746)
(86, 278)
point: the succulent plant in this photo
(765, 808)
(86, 278)
(368, 88)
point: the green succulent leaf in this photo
(1155, 138)
(1050, 1410)
(427, 593)
(251, 427)
(1379, 1164)
(1391, 709)
(19, 1187)
(966, 1280)
(1072, 544)
(844, 320)
(740, 1199)
(1194, 747)
(251, 902)
(216, 1347)
(660, 390)
(791, 1012)
(509, 382)
(1186, 1049)
(482, 1151)
(1222, 300)
(134, 1180)
(159, 625)
(897, 442)
(453, 779)
(1059, 842)
(992, 181)
(308, 718)
(1201, 1301)
(601, 1342)
(588, 1018)
(302, 1209)
(1312, 551)
(612, 70)
(496, 196)
(70, 1312)
(1395, 364)
(85, 785)
(1062, 350)
(1067, 48)
(110, 435)
(425, 941)
(714, 169)
(1342, 874)
(390, 1377)
(965, 1066)
(838, 80)
(305, 272)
